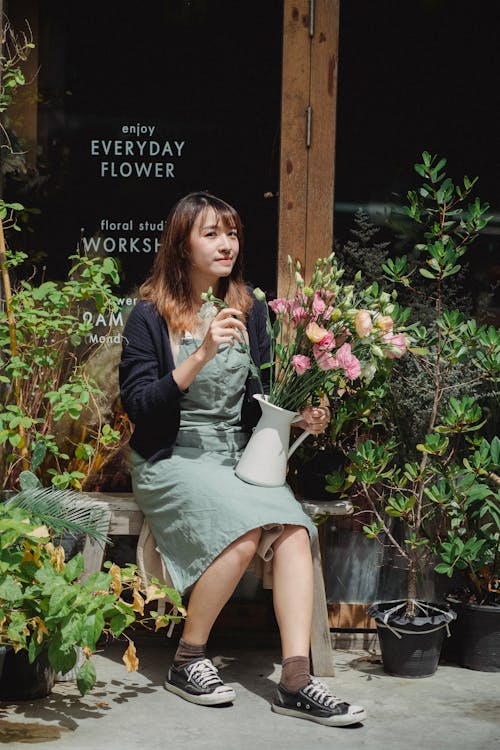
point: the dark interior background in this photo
(205, 73)
(415, 76)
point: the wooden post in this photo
(321, 162)
(293, 158)
(308, 112)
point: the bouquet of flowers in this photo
(325, 336)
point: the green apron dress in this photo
(194, 503)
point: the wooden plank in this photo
(93, 551)
(293, 152)
(351, 616)
(321, 644)
(323, 96)
(126, 516)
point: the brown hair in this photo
(169, 284)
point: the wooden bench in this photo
(125, 518)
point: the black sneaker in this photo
(316, 703)
(199, 682)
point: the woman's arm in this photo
(224, 329)
(147, 388)
(150, 384)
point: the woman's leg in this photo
(214, 587)
(297, 695)
(293, 590)
(192, 676)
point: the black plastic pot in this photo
(410, 647)
(22, 681)
(475, 639)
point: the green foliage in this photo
(44, 381)
(438, 475)
(44, 604)
(15, 47)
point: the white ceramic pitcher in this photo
(265, 458)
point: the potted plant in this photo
(406, 482)
(471, 547)
(48, 613)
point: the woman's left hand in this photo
(315, 419)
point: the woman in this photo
(185, 385)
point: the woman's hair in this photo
(169, 284)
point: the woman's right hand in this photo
(225, 328)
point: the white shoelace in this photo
(320, 693)
(203, 673)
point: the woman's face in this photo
(214, 249)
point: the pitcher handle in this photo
(300, 438)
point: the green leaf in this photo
(444, 568)
(62, 658)
(86, 677)
(74, 568)
(59, 598)
(425, 272)
(10, 591)
(92, 629)
(28, 480)
(37, 456)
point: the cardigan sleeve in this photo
(147, 388)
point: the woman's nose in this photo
(225, 242)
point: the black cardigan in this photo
(148, 392)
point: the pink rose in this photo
(315, 333)
(328, 341)
(385, 323)
(348, 362)
(363, 323)
(318, 305)
(279, 305)
(301, 363)
(324, 359)
(299, 313)
(397, 345)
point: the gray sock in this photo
(188, 652)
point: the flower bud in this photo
(259, 294)
(336, 315)
(368, 372)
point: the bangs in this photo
(225, 215)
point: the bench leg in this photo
(321, 644)
(93, 552)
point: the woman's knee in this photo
(296, 535)
(245, 546)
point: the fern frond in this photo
(65, 510)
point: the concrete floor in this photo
(455, 708)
